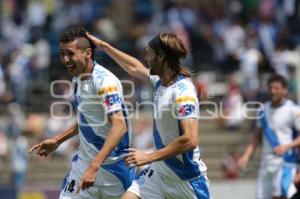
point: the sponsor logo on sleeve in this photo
(186, 109)
(112, 100)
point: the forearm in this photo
(295, 143)
(253, 144)
(178, 146)
(130, 64)
(114, 136)
(67, 134)
(249, 150)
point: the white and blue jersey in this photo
(96, 97)
(182, 176)
(172, 104)
(279, 126)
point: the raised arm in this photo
(130, 64)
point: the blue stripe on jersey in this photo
(286, 180)
(157, 84)
(291, 155)
(295, 133)
(122, 172)
(75, 158)
(268, 132)
(200, 187)
(65, 180)
(91, 137)
(75, 98)
(185, 170)
(89, 134)
(98, 141)
(188, 156)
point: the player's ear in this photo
(286, 92)
(88, 53)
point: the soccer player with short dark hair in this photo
(278, 127)
(98, 170)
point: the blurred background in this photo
(234, 46)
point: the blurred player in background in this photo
(176, 170)
(98, 170)
(278, 127)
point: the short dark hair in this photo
(75, 33)
(278, 78)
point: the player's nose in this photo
(65, 59)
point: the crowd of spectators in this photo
(250, 38)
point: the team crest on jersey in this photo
(186, 109)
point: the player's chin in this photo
(276, 99)
(72, 73)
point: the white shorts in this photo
(112, 181)
(152, 185)
(276, 181)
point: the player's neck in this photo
(278, 103)
(168, 77)
(88, 69)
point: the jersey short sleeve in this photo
(186, 103)
(110, 94)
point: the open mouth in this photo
(70, 67)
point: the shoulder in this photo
(100, 73)
(184, 86)
(185, 92)
(186, 100)
(293, 107)
(104, 80)
(103, 77)
(290, 106)
(289, 103)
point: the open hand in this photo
(97, 42)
